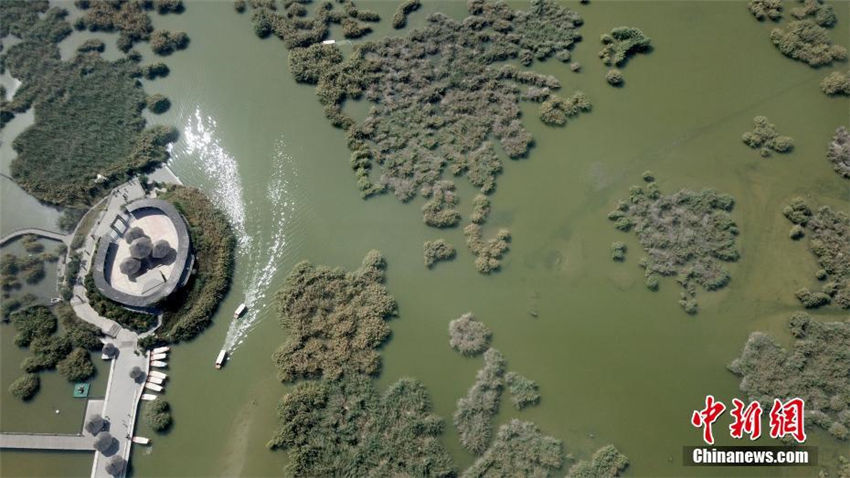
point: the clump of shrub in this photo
(606, 462)
(487, 253)
(436, 251)
(839, 152)
(821, 13)
(614, 77)
(836, 83)
(520, 449)
(404, 9)
(440, 209)
(814, 369)
(92, 44)
(764, 138)
(468, 335)
(806, 41)
(524, 392)
(164, 42)
(480, 209)
(32, 323)
(157, 103)
(618, 251)
(77, 366)
(555, 110)
(158, 415)
(475, 412)
(25, 386)
(334, 320)
(622, 43)
(344, 427)
(762, 9)
(686, 234)
(828, 232)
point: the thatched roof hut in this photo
(141, 248)
(130, 266)
(161, 249)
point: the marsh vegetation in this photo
(807, 41)
(815, 369)
(520, 449)
(474, 415)
(762, 9)
(488, 253)
(836, 83)
(436, 251)
(129, 19)
(839, 152)
(468, 335)
(829, 241)
(157, 415)
(335, 320)
(606, 462)
(524, 392)
(686, 234)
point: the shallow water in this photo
(615, 362)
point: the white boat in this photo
(155, 380)
(161, 350)
(222, 356)
(141, 440)
(240, 310)
(159, 356)
(158, 374)
(158, 364)
(153, 386)
(148, 397)
(328, 42)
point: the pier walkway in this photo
(35, 231)
(47, 441)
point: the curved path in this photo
(35, 231)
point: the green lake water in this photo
(615, 362)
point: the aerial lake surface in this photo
(615, 362)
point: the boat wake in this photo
(259, 225)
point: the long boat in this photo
(158, 374)
(159, 356)
(153, 386)
(161, 350)
(148, 397)
(159, 364)
(240, 310)
(141, 440)
(222, 356)
(155, 380)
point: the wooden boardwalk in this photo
(47, 441)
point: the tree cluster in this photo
(436, 251)
(686, 234)
(468, 335)
(344, 427)
(762, 9)
(814, 369)
(25, 386)
(829, 241)
(335, 320)
(158, 415)
(839, 151)
(520, 449)
(821, 13)
(764, 138)
(836, 83)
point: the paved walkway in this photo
(46, 441)
(35, 231)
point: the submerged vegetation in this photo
(685, 234)
(815, 369)
(474, 415)
(839, 152)
(829, 241)
(468, 335)
(334, 320)
(607, 462)
(762, 9)
(764, 138)
(520, 449)
(95, 102)
(439, 94)
(436, 251)
(345, 428)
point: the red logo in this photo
(786, 418)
